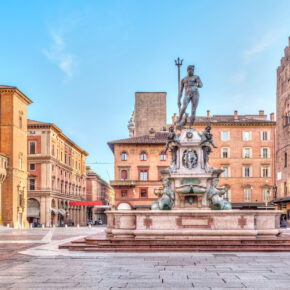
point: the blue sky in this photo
(82, 61)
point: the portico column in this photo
(78, 215)
(42, 210)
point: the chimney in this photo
(261, 112)
(236, 115)
(208, 113)
(152, 133)
(272, 117)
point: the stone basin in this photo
(193, 224)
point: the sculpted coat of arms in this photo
(189, 158)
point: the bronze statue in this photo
(206, 143)
(172, 143)
(215, 194)
(166, 197)
(191, 83)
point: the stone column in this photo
(78, 215)
(42, 210)
(82, 215)
(47, 214)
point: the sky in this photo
(81, 62)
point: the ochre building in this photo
(245, 151)
(57, 177)
(98, 190)
(13, 157)
(283, 133)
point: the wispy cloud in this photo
(238, 77)
(260, 46)
(58, 54)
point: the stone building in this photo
(57, 177)
(150, 112)
(98, 190)
(245, 151)
(13, 144)
(283, 133)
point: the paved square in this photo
(39, 264)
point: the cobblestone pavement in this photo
(43, 266)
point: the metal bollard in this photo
(8, 226)
(90, 226)
(43, 227)
(31, 226)
(78, 226)
(65, 226)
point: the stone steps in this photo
(123, 245)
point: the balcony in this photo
(123, 182)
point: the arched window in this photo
(163, 156)
(285, 159)
(124, 174)
(124, 156)
(143, 156)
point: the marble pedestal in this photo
(193, 224)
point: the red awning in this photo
(85, 203)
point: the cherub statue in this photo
(206, 143)
(166, 197)
(173, 144)
(215, 194)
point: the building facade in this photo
(3, 174)
(246, 152)
(13, 144)
(283, 133)
(57, 177)
(98, 190)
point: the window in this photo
(247, 136)
(285, 189)
(225, 136)
(225, 152)
(265, 171)
(143, 156)
(247, 171)
(124, 193)
(247, 152)
(266, 194)
(163, 156)
(32, 166)
(143, 175)
(226, 172)
(247, 194)
(31, 184)
(124, 156)
(52, 150)
(227, 195)
(285, 159)
(124, 174)
(32, 147)
(143, 192)
(265, 153)
(265, 135)
(52, 184)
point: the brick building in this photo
(245, 151)
(283, 133)
(57, 176)
(13, 144)
(98, 190)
